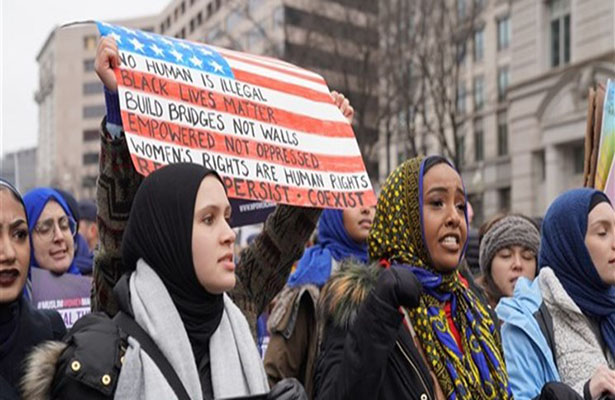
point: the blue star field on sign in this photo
(181, 52)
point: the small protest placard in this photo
(68, 294)
(269, 128)
(247, 212)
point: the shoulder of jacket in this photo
(86, 363)
(345, 291)
(40, 370)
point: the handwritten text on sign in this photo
(269, 128)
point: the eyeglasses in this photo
(46, 229)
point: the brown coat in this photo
(293, 344)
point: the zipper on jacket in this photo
(403, 352)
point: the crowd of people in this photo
(384, 305)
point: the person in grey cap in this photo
(508, 248)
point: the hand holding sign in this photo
(272, 130)
(107, 60)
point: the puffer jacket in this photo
(367, 353)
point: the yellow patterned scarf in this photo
(477, 370)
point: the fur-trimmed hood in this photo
(40, 370)
(345, 291)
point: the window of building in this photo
(199, 18)
(479, 45)
(89, 42)
(232, 20)
(218, 3)
(90, 135)
(479, 140)
(182, 8)
(191, 3)
(255, 37)
(209, 10)
(504, 197)
(278, 18)
(254, 5)
(192, 25)
(461, 98)
(92, 88)
(503, 33)
(503, 78)
(476, 199)
(88, 182)
(94, 111)
(579, 159)
(162, 28)
(559, 13)
(90, 158)
(212, 35)
(479, 92)
(461, 9)
(461, 150)
(461, 53)
(175, 14)
(88, 65)
(502, 134)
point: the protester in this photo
(419, 234)
(84, 258)
(21, 326)
(293, 344)
(508, 250)
(180, 248)
(87, 223)
(263, 267)
(561, 327)
(413, 329)
(52, 227)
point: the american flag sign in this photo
(269, 128)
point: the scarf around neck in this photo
(334, 242)
(236, 367)
(477, 370)
(563, 249)
(159, 231)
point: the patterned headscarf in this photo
(477, 370)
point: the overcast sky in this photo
(25, 26)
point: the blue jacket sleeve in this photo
(526, 371)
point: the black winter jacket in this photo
(366, 352)
(28, 328)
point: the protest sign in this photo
(247, 212)
(269, 128)
(68, 294)
(608, 132)
(607, 139)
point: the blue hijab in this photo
(334, 242)
(563, 250)
(35, 201)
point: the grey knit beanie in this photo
(511, 230)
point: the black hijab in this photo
(160, 232)
(9, 312)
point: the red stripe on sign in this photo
(186, 136)
(277, 69)
(237, 106)
(265, 191)
(274, 84)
